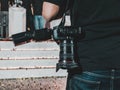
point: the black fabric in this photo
(27, 5)
(57, 2)
(100, 48)
(29, 17)
(37, 7)
(4, 5)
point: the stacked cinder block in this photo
(30, 66)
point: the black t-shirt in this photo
(100, 48)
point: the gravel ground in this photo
(45, 83)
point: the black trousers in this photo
(29, 17)
(4, 5)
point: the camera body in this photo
(61, 33)
(66, 36)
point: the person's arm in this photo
(49, 11)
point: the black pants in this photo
(4, 5)
(29, 17)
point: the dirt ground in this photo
(45, 83)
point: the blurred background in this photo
(30, 66)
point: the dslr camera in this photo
(65, 37)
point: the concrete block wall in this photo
(31, 66)
(34, 59)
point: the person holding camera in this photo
(98, 51)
